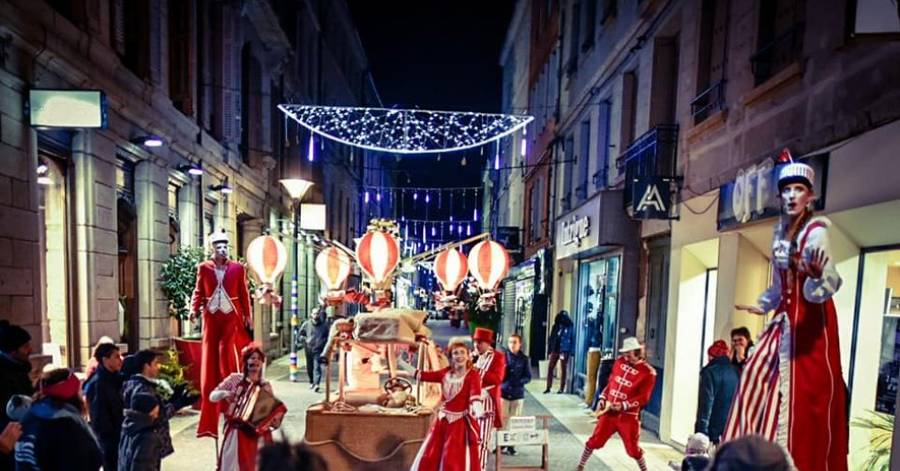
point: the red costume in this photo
(630, 386)
(492, 368)
(452, 443)
(224, 318)
(242, 439)
(792, 390)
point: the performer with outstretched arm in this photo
(791, 389)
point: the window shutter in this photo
(117, 26)
(230, 79)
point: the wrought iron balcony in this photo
(708, 101)
(777, 54)
(651, 155)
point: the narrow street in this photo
(565, 445)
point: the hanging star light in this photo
(402, 131)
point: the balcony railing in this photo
(651, 155)
(777, 54)
(708, 101)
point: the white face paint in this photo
(795, 197)
(220, 250)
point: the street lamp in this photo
(297, 188)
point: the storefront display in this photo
(596, 316)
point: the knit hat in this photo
(12, 337)
(751, 453)
(143, 403)
(718, 349)
(63, 390)
(697, 444)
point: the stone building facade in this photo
(89, 216)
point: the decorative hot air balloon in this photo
(378, 254)
(450, 269)
(333, 267)
(488, 263)
(267, 258)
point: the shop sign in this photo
(652, 198)
(753, 195)
(575, 230)
(75, 109)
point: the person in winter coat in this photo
(718, 381)
(562, 342)
(103, 391)
(314, 335)
(55, 435)
(15, 347)
(141, 370)
(140, 448)
(518, 374)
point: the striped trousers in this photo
(486, 431)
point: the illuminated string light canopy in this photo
(403, 131)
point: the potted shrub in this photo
(177, 279)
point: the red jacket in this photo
(630, 385)
(491, 379)
(235, 284)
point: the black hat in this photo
(12, 337)
(143, 403)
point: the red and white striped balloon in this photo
(488, 263)
(267, 258)
(450, 268)
(378, 254)
(333, 267)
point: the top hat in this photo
(483, 335)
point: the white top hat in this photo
(218, 237)
(629, 344)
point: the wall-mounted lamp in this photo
(194, 169)
(148, 141)
(43, 174)
(223, 187)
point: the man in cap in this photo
(718, 381)
(222, 296)
(492, 367)
(15, 348)
(628, 390)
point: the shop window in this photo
(596, 315)
(709, 313)
(875, 375)
(126, 218)
(779, 37)
(54, 216)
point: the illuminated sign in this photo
(66, 108)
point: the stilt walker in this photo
(627, 392)
(492, 367)
(792, 390)
(221, 294)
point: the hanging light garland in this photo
(402, 131)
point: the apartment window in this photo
(779, 38)
(568, 167)
(590, 23)
(180, 50)
(629, 107)
(574, 34)
(73, 10)
(251, 103)
(711, 59)
(130, 33)
(601, 176)
(584, 159)
(535, 211)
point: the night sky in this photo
(440, 55)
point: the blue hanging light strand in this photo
(497, 156)
(311, 150)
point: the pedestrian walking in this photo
(718, 381)
(141, 448)
(741, 347)
(627, 392)
(15, 348)
(492, 367)
(314, 338)
(55, 434)
(103, 391)
(518, 374)
(561, 344)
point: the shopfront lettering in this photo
(753, 190)
(575, 230)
